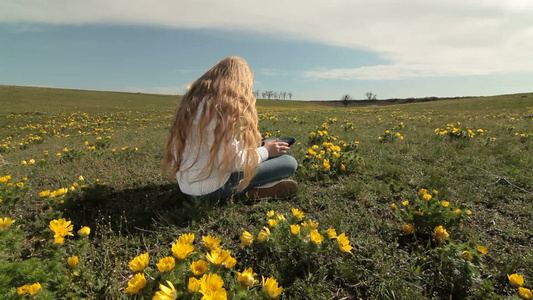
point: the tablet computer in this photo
(288, 140)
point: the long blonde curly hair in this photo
(226, 91)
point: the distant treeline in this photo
(273, 95)
(366, 102)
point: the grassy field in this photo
(388, 177)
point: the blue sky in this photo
(322, 51)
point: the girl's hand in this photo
(276, 148)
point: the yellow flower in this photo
(272, 222)
(405, 203)
(23, 290)
(34, 289)
(246, 278)
(524, 293)
(263, 234)
(422, 192)
(61, 228)
(326, 164)
(166, 293)
(441, 233)
(516, 280)
(6, 222)
(137, 283)
(166, 264)
(29, 289)
(73, 261)
(5, 179)
(80, 178)
(332, 233)
(270, 286)
(199, 267)
(407, 228)
(457, 211)
(298, 214)
(445, 203)
(194, 285)
(91, 148)
(84, 231)
(280, 217)
(393, 206)
(419, 212)
(468, 212)
(482, 249)
(23, 162)
(316, 237)
(427, 197)
(343, 167)
(187, 238)
(20, 184)
(295, 229)
(211, 242)
(59, 239)
(139, 262)
(211, 286)
(246, 238)
(270, 214)
(466, 255)
(182, 250)
(59, 193)
(344, 243)
(310, 224)
(230, 262)
(218, 256)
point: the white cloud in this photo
(276, 72)
(419, 38)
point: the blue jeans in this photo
(272, 169)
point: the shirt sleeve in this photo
(263, 154)
(241, 154)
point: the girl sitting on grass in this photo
(202, 150)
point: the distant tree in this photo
(274, 95)
(345, 100)
(370, 96)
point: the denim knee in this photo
(289, 165)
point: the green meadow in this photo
(429, 200)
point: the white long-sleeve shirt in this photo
(191, 178)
